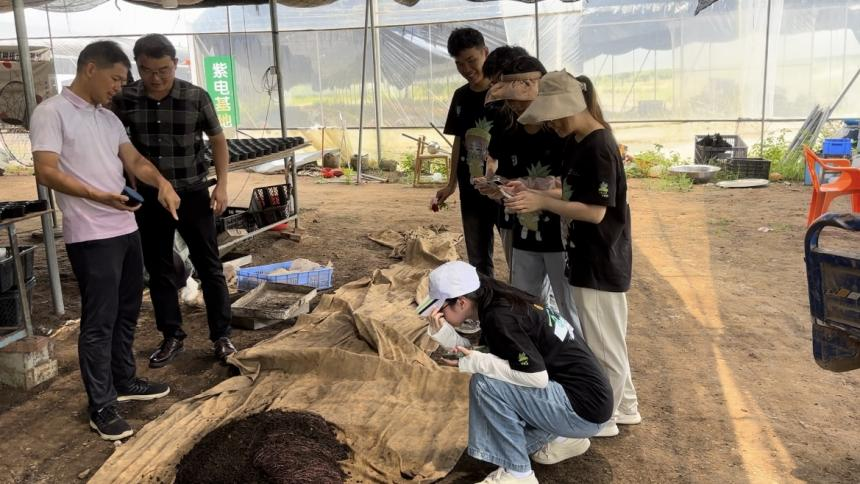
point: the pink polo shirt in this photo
(87, 138)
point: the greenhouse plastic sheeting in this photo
(651, 60)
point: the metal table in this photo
(18, 332)
(289, 157)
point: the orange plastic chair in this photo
(848, 183)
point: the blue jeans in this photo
(507, 422)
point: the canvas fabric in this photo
(360, 360)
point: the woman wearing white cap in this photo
(538, 391)
(593, 197)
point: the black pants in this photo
(196, 225)
(110, 278)
(479, 218)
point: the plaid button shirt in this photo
(169, 132)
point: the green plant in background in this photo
(407, 164)
(348, 175)
(672, 182)
(790, 166)
(775, 148)
(653, 162)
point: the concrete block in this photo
(28, 362)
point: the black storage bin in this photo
(11, 312)
(7, 266)
(747, 167)
(714, 155)
(234, 218)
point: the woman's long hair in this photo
(491, 292)
(591, 101)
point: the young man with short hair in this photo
(80, 150)
(470, 125)
(166, 118)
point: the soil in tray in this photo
(273, 300)
(270, 447)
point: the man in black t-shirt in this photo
(470, 125)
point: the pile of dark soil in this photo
(272, 447)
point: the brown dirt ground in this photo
(719, 339)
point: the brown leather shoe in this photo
(168, 350)
(224, 348)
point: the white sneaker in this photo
(555, 452)
(500, 476)
(611, 430)
(628, 418)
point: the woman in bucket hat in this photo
(538, 392)
(593, 197)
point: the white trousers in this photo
(604, 324)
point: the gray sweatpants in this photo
(530, 272)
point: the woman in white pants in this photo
(594, 197)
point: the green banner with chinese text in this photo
(222, 88)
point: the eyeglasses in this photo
(162, 73)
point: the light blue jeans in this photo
(508, 422)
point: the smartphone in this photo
(134, 198)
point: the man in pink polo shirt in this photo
(80, 150)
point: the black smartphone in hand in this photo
(134, 198)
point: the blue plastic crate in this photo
(836, 147)
(251, 277)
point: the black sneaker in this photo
(140, 389)
(109, 424)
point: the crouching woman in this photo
(538, 392)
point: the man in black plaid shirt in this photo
(166, 118)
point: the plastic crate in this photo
(747, 167)
(710, 155)
(270, 205)
(234, 218)
(11, 312)
(272, 196)
(251, 277)
(837, 147)
(7, 266)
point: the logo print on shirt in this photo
(523, 359)
(603, 190)
(514, 160)
(458, 111)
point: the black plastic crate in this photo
(268, 216)
(11, 312)
(712, 155)
(272, 196)
(7, 266)
(270, 204)
(234, 218)
(746, 167)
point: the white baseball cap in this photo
(450, 280)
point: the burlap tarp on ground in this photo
(359, 360)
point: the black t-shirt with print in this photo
(522, 155)
(466, 112)
(534, 339)
(600, 256)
